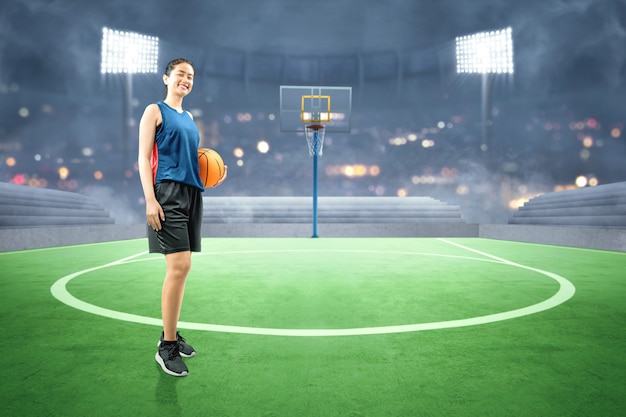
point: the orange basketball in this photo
(211, 167)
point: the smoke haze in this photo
(558, 118)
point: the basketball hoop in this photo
(308, 109)
(315, 138)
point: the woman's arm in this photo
(147, 130)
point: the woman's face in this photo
(180, 80)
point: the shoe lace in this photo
(172, 351)
(180, 338)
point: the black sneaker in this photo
(169, 358)
(184, 348)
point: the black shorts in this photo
(182, 229)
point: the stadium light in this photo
(485, 53)
(128, 53)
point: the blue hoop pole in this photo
(315, 154)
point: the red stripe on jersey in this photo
(154, 161)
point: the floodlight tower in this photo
(485, 53)
(128, 53)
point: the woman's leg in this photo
(177, 267)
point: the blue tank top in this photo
(175, 151)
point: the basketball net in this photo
(315, 138)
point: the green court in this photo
(319, 327)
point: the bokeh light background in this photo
(557, 123)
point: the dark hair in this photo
(170, 66)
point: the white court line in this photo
(565, 292)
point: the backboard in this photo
(302, 105)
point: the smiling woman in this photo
(172, 187)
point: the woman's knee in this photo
(179, 263)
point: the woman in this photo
(169, 172)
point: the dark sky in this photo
(554, 38)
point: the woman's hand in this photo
(154, 214)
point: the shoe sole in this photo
(184, 355)
(160, 361)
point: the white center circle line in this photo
(565, 292)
